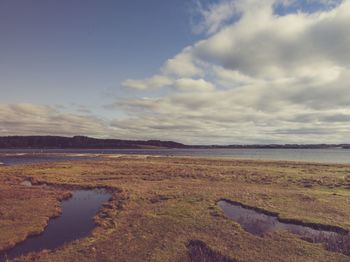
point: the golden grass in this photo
(166, 203)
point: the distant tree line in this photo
(85, 142)
(81, 142)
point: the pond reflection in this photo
(259, 223)
(76, 221)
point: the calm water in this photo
(75, 222)
(259, 223)
(29, 158)
(311, 155)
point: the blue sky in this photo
(60, 52)
(147, 69)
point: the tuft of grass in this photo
(198, 251)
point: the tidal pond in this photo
(76, 221)
(260, 222)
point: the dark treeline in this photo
(80, 142)
(95, 143)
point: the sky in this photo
(192, 71)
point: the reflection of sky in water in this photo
(75, 222)
(250, 220)
(259, 224)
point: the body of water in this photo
(259, 223)
(336, 155)
(75, 222)
(32, 158)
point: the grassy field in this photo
(164, 208)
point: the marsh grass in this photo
(164, 203)
(198, 251)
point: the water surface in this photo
(335, 155)
(75, 222)
(259, 223)
(10, 159)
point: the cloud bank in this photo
(30, 119)
(266, 77)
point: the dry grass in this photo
(198, 251)
(165, 203)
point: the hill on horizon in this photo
(84, 142)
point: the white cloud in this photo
(188, 84)
(182, 65)
(268, 78)
(155, 81)
(30, 119)
(214, 16)
(273, 46)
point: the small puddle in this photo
(76, 221)
(259, 223)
